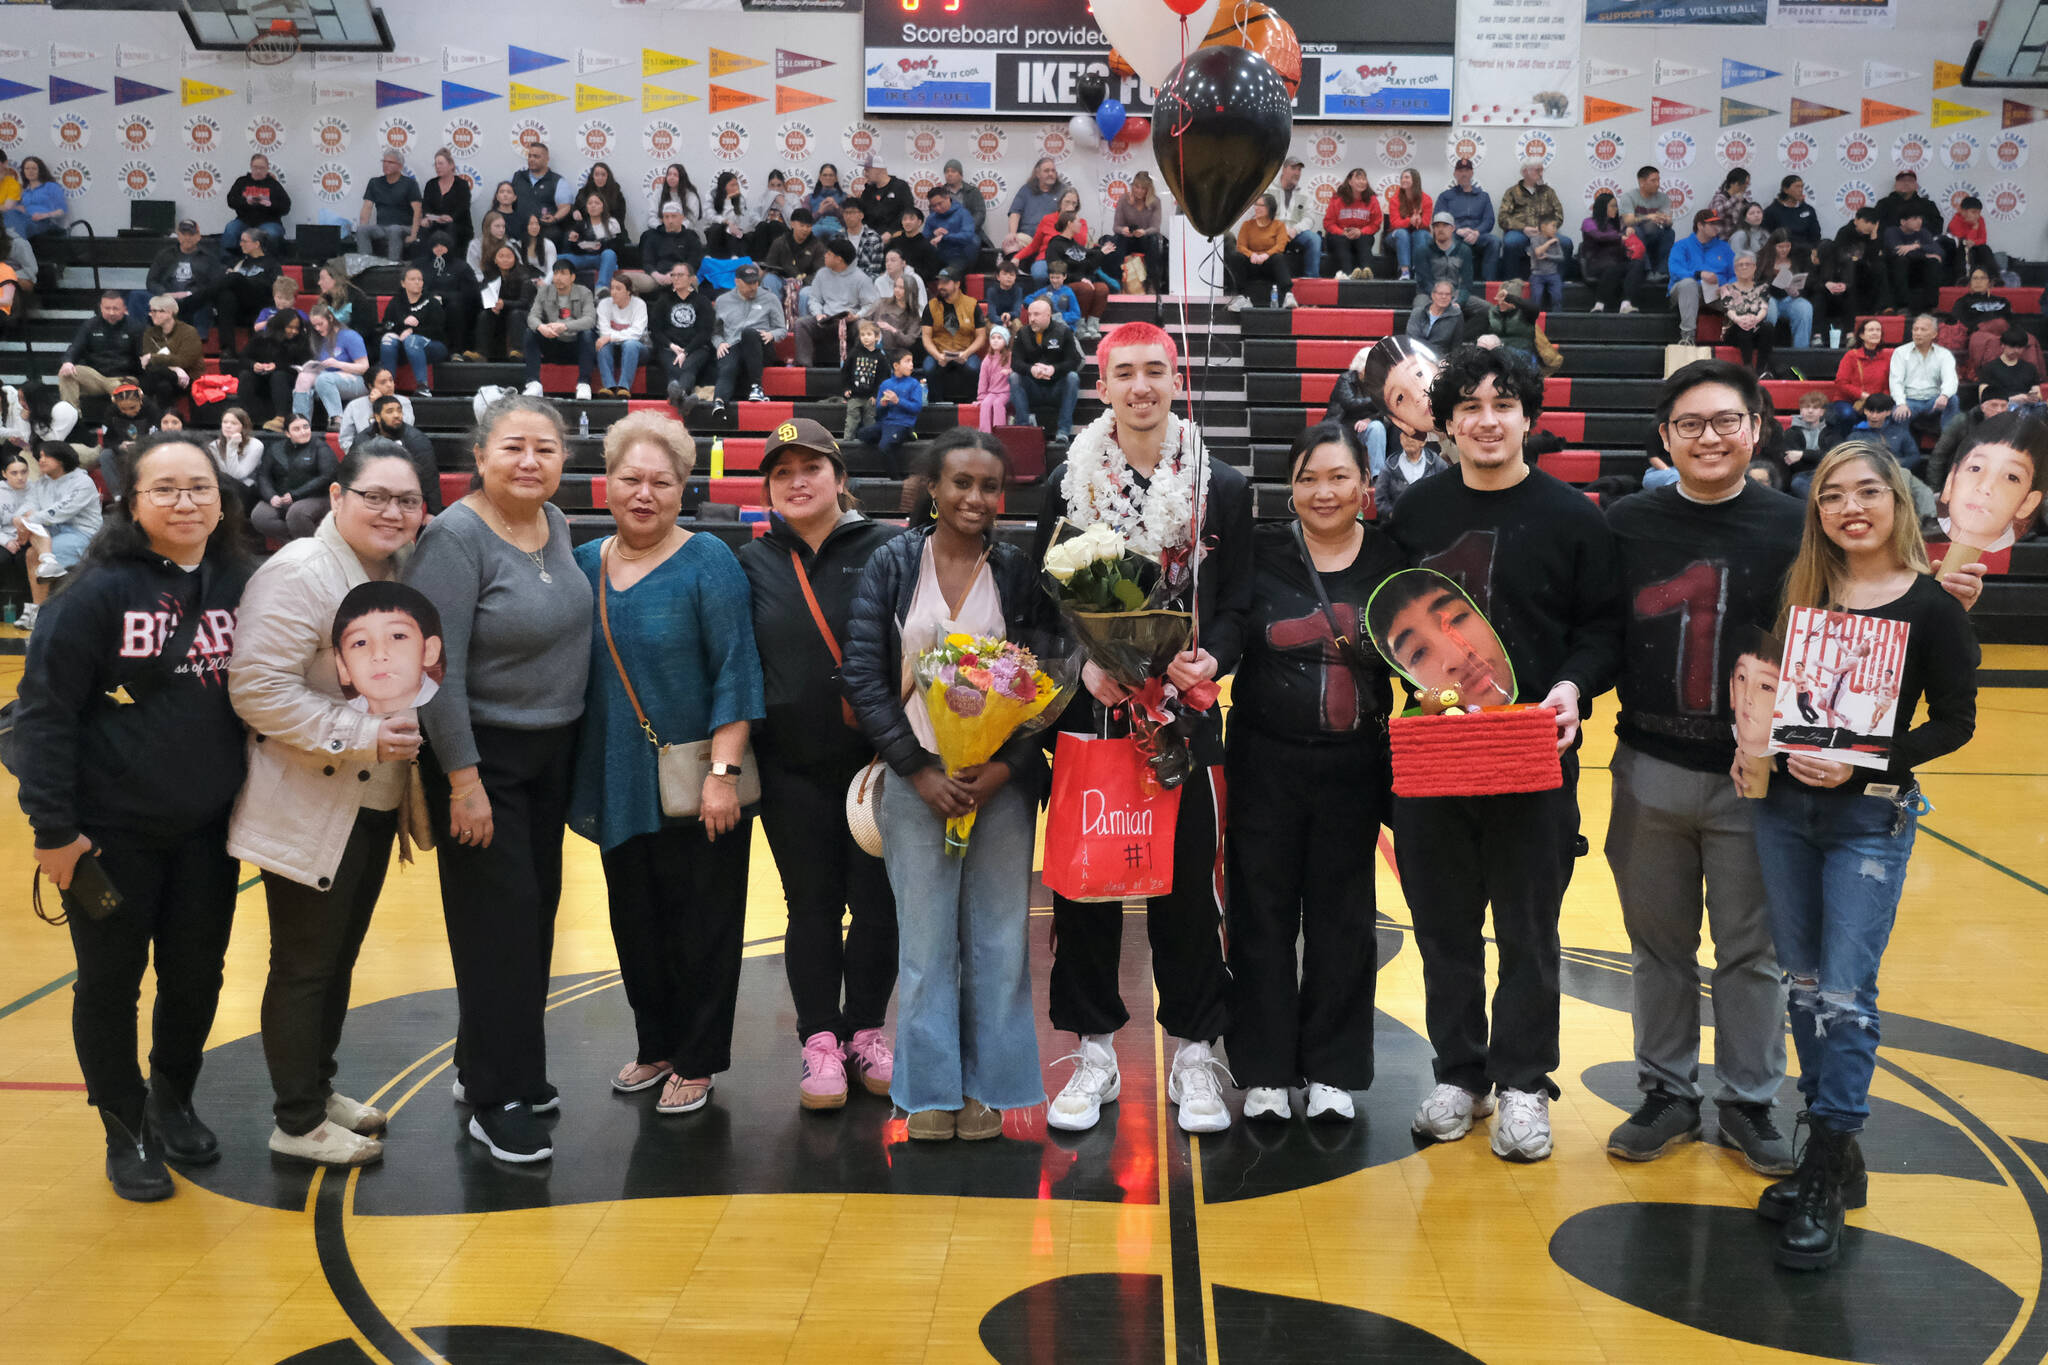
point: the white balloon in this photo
(1081, 128)
(1147, 33)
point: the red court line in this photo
(1387, 852)
(42, 1085)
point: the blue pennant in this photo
(15, 89)
(454, 96)
(133, 92)
(1734, 73)
(389, 94)
(525, 59)
(62, 91)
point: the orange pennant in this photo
(1598, 110)
(2017, 114)
(724, 98)
(789, 99)
(725, 63)
(1877, 111)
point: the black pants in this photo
(742, 363)
(1869, 291)
(314, 938)
(1247, 276)
(684, 371)
(571, 348)
(1754, 347)
(1458, 853)
(1185, 930)
(179, 901)
(499, 332)
(1345, 254)
(161, 385)
(1300, 858)
(1612, 280)
(268, 395)
(236, 302)
(824, 875)
(1916, 281)
(499, 903)
(679, 918)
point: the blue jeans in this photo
(1798, 315)
(964, 1024)
(1514, 255)
(1375, 449)
(231, 237)
(1547, 291)
(1408, 244)
(618, 364)
(201, 318)
(1030, 394)
(1657, 242)
(335, 389)
(1921, 406)
(419, 353)
(1311, 244)
(606, 261)
(1834, 866)
(1485, 255)
(19, 224)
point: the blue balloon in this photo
(1110, 118)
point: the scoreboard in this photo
(1361, 60)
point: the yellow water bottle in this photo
(718, 457)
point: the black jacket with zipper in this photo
(430, 322)
(302, 471)
(113, 742)
(874, 648)
(805, 727)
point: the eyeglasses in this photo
(377, 499)
(167, 495)
(1692, 427)
(1835, 500)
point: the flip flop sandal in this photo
(681, 1096)
(626, 1084)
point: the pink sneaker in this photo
(824, 1083)
(869, 1052)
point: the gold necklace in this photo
(620, 546)
(539, 557)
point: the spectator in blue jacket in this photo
(1884, 422)
(41, 207)
(950, 229)
(1700, 265)
(1471, 210)
(1058, 294)
(896, 410)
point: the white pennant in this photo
(61, 55)
(1878, 74)
(333, 61)
(588, 61)
(1607, 73)
(126, 56)
(1815, 73)
(398, 61)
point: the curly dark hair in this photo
(1467, 367)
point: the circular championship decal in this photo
(860, 139)
(1120, 150)
(469, 171)
(1605, 150)
(137, 179)
(650, 179)
(1735, 148)
(528, 132)
(1325, 189)
(398, 134)
(1396, 147)
(728, 140)
(797, 185)
(1798, 150)
(1055, 142)
(1535, 145)
(1325, 148)
(201, 180)
(663, 140)
(266, 134)
(1682, 195)
(462, 136)
(993, 186)
(2007, 202)
(1958, 190)
(924, 142)
(1113, 186)
(73, 175)
(330, 135)
(1857, 151)
(1854, 196)
(13, 129)
(70, 133)
(1913, 151)
(988, 143)
(135, 133)
(797, 140)
(202, 134)
(1464, 144)
(921, 184)
(2009, 152)
(596, 139)
(1957, 151)
(330, 181)
(1676, 149)
(1599, 183)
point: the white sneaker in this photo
(755, 395)
(1599, 307)
(1522, 1132)
(1447, 1112)
(1289, 302)
(1327, 1101)
(1266, 1102)
(1627, 307)
(533, 390)
(27, 619)
(583, 393)
(356, 1116)
(328, 1145)
(48, 567)
(1095, 1082)
(1239, 304)
(1192, 1086)
(460, 1095)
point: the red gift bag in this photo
(1105, 838)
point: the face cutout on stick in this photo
(387, 648)
(1427, 629)
(1752, 697)
(1398, 373)
(1989, 489)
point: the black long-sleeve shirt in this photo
(1292, 682)
(678, 320)
(1703, 582)
(254, 201)
(1538, 561)
(429, 320)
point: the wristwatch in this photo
(725, 770)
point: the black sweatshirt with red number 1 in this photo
(1703, 581)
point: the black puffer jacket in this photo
(1349, 401)
(874, 648)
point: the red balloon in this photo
(1185, 7)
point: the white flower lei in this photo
(1098, 490)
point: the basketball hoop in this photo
(275, 46)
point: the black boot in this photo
(1811, 1237)
(1777, 1201)
(135, 1166)
(177, 1125)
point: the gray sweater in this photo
(841, 291)
(548, 306)
(517, 650)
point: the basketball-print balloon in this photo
(1257, 28)
(1219, 131)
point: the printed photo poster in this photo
(387, 648)
(1838, 686)
(1832, 13)
(1524, 54)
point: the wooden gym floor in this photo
(754, 1232)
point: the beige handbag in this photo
(864, 807)
(1677, 356)
(682, 767)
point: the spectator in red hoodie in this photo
(1349, 225)
(1863, 371)
(1967, 244)
(1408, 213)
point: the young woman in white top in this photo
(674, 187)
(237, 453)
(727, 217)
(594, 238)
(621, 335)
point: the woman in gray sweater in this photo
(515, 615)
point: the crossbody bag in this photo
(803, 581)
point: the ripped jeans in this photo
(1834, 866)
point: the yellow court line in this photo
(1166, 1304)
(2030, 1297)
(1208, 1276)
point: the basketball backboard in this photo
(320, 25)
(2014, 48)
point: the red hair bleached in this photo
(1135, 334)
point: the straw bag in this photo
(864, 807)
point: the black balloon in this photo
(1093, 88)
(1220, 126)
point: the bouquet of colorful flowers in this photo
(1111, 598)
(979, 693)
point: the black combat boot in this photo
(1780, 1196)
(1811, 1237)
(177, 1125)
(135, 1164)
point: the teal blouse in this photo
(686, 635)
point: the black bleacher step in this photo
(1611, 328)
(1401, 294)
(1602, 428)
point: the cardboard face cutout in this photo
(1752, 696)
(387, 648)
(1398, 372)
(1839, 695)
(1429, 632)
(1990, 489)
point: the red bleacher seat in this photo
(1317, 388)
(1324, 355)
(297, 272)
(782, 382)
(1026, 445)
(1569, 425)
(1573, 466)
(1316, 293)
(1785, 393)
(741, 452)
(1363, 323)
(1710, 328)
(1894, 325)
(2023, 300)
(738, 492)
(454, 486)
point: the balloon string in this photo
(1185, 115)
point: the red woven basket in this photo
(1491, 753)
